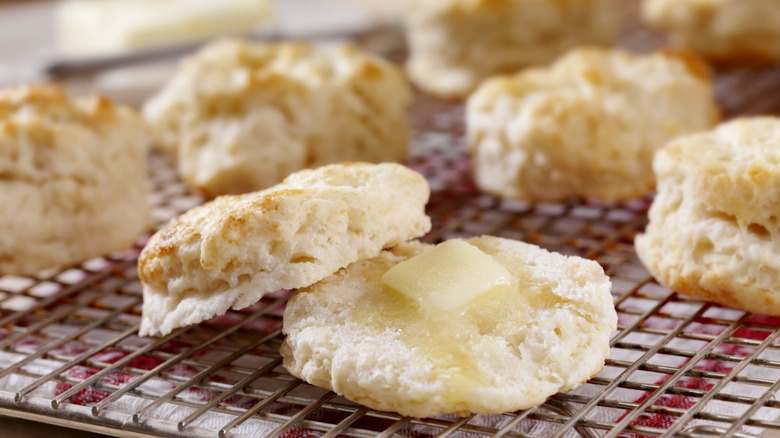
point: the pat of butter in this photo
(90, 27)
(447, 276)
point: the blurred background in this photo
(127, 48)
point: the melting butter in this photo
(430, 301)
(448, 276)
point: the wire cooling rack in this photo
(69, 353)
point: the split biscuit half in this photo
(503, 351)
(230, 252)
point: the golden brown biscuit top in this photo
(247, 65)
(735, 168)
(49, 103)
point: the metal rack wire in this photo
(69, 353)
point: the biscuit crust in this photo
(500, 354)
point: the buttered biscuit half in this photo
(483, 325)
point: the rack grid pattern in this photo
(679, 367)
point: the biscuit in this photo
(724, 31)
(242, 116)
(232, 251)
(502, 353)
(586, 126)
(713, 230)
(72, 178)
(455, 44)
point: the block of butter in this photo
(101, 27)
(447, 276)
